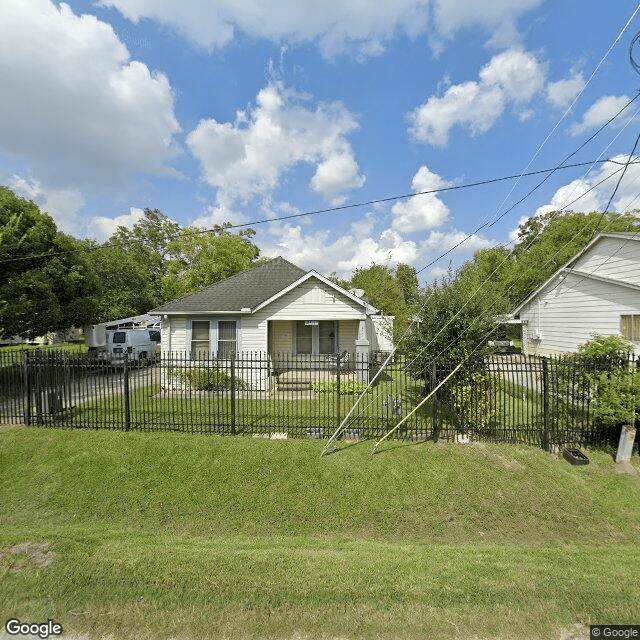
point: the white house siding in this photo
(570, 311)
(616, 258)
(254, 333)
(174, 334)
(380, 332)
(282, 336)
(347, 334)
(313, 300)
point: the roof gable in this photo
(570, 266)
(240, 293)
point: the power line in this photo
(367, 203)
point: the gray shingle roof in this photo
(244, 290)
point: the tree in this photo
(200, 259)
(166, 261)
(453, 323)
(45, 280)
(124, 282)
(147, 244)
(393, 292)
(408, 280)
(546, 243)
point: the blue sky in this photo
(251, 110)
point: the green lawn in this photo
(67, 347)
(200, 536)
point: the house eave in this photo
(304, 278)
(566, 267)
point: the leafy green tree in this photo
(147, 244)
(453, 323)
(200, 259)
(394, 292)
(165, 260)
(46, 283)
(124, 282)
(546, 243)
(408, 280)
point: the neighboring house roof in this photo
(567, 268)
(248, 291)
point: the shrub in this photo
(472, 394)
(599, 375)
(208, 379)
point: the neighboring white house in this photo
(596, 293)
(277, 309)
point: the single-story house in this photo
(596, 293)
(277, 309)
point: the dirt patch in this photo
(34, 553)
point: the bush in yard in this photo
(347, 387)
(471, 395)
(208, 379)
(615, 388)
(599, 377)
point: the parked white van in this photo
(136, 343)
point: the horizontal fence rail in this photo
(509, 398)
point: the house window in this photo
(304, 337)
(227, 339)
(630, 327)
(200, 339)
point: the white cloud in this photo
(519, 75)
(323, 251)
(454, 241)
(422, 211)
(335, 25)
(247, 158)
(562, 93)
(575, 196)
(513, 77)
(63, 205)
(73, 102)
(592, 193)
(337, 174)
(498, 16)
(219, 213)
(600, 112)
(103, 227)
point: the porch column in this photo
(362, 354)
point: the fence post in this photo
(545, 395)
(338, 416)
(434, 401)
(27, 388)
(233, 393)
(127, 408)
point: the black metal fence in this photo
(510, 398)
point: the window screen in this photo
(304, 337)
(200, 339)
(227, 345)
(327, 336)
(630, 327)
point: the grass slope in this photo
(187, 536)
